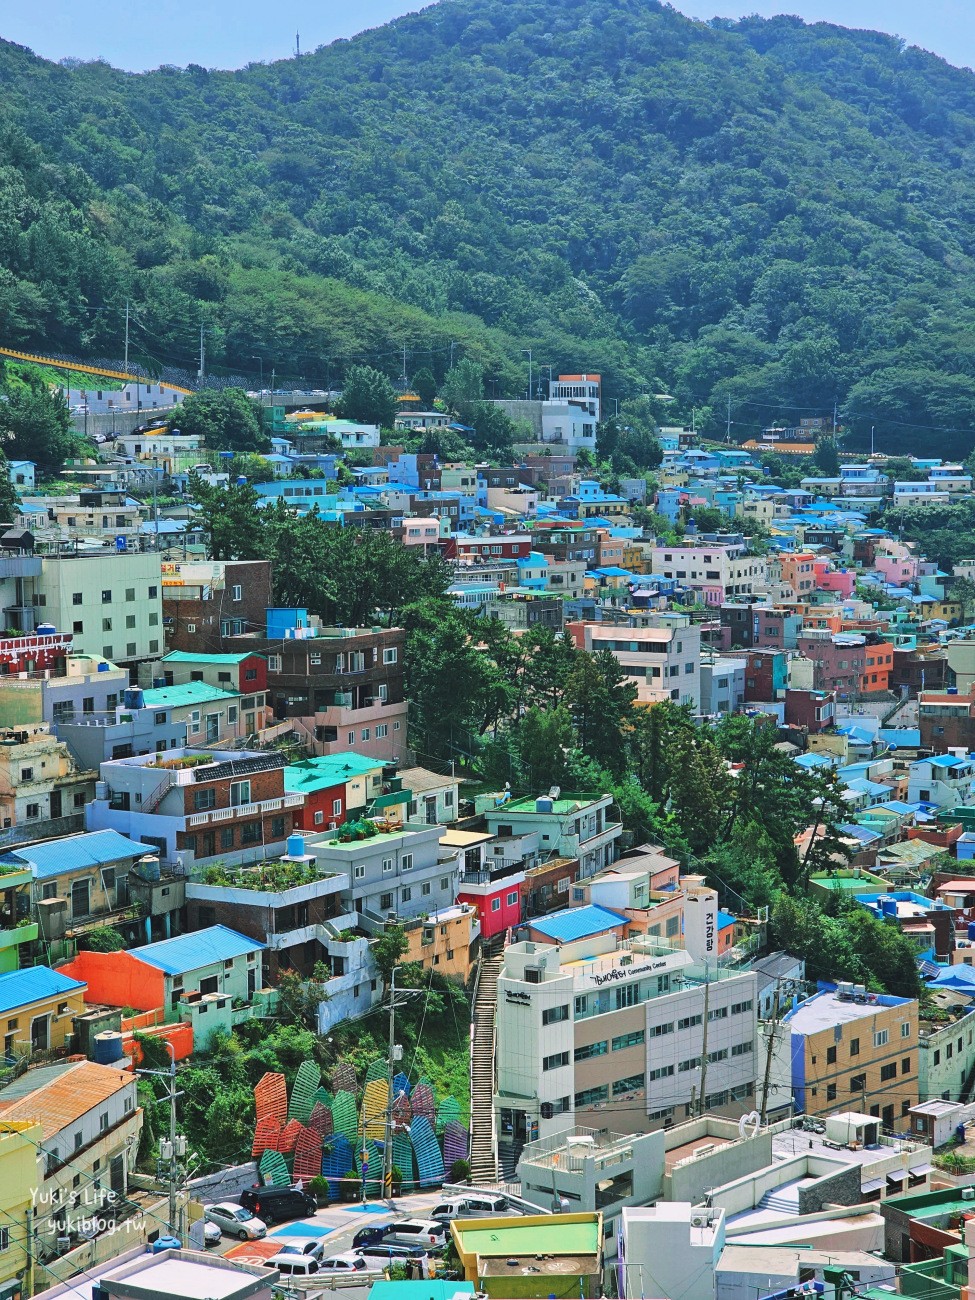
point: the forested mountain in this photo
(776, 213)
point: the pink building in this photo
(840, 581)
(897, 565)
(420, 531)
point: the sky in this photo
(137, 34)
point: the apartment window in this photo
(831, 1056)
(555, 1061)
(592, 1096)
(858, 1082)
(204, 799)
(130, 649)
(662, 1072)
(129, 621)
(658, 1031)
(240, 793)
(385, 902)
(389, 656)
(359, 872)
(906, 1029)
(854, 1047)
(78, 627)
(26, 774)
(274, 663)
(106, 625)
(406, 862)
(626, 996)
(4, 1239)
(906, 1065)
(691, 1064)
(589, 1050)
(227, 837)
(631, 1083)
(77, 598)
(407, 894)
(688, 1022)
(555, 1015)
(881, 1038)
(739, 1008)
(33, 811)
(250, 833)
(426, 888)
(106, 597)
(719, 1013)
(495, 904)
(742, 1049)
(237, 592)
(512, 898)
(831, 1092)
(888, 1072)
(365, 733)
(387, 865)
(103, 1122)
(628, 1040)
(719, 1054)
(152, 592)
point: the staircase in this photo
(787, 1203)
(484, 1160)
(157, 796)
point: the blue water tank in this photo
(166, 1243)
(971, 929)
(543, 805)
(133, 698)
(888, 906)
(108, 1047)
(149, 869)
(241, 480)
(103, 667)
(45, 629)
(952, 690)
(296, 846)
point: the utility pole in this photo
(770, 1032)
(126, 334)
(404, 376)
(704, 1038)
(202, 353)
(171, 1151)
(528, 353)
(727, 436)
(872, 427)
(405, 995)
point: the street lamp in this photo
(528, 352)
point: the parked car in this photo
(235, 1221)
(293, 1265)
(417, 1232)
(382, 1253)
(347, 1263)
(278, 1204)
(480, 1206)
(367, 1236)
(311, 1246)
(212, 1236)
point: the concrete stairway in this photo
(484, 1159)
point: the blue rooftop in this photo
(577, 923)
(188, 952)
(725, 918)
(76, 852)
(20, 987)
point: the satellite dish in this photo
(752, 1120)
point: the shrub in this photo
(460, 1171)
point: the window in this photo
(691, 1064)
(129, 622)
(589, 1050)
(555, 1015)
(106, 625)
(626, 996)
(888, 1072)
(33, 810)
(130, 648)
(881, 1037)
(742, 1049)
(719, 1054)
(628, 1040)
(688, 1022)
(512, 898)
(658, 1031)
(237, 591)
(240, 793)
(662, 1072)
(592, 1096)
(630, 1084)
(152, 592)
(78, 627)
(858, 1082)
(426, 888)
(387, 865)
(365, 733)
(854, 1047)
(77, 598)
(831, 1056)
(406, 862)
(385, 902)
(719, 1013)
(389, 656)
(906, 1029)
(906, 1065)
(495, 904)
(106, 597)
(103, 1122)
(26, 774)
(358, 872)
(739, 1008)
(555, 1061)
(407, 895)
(250, 833)
(203, 799)
(382, 731)
(226, 837)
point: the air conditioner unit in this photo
(533, 974)
(700, 1221)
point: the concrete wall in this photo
(692, 1181)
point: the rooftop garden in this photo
(268, 877)
(185, 761)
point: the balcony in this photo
(18, 934)
(239, 812)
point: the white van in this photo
(294, 1265)
(478, 1206)
(428, 1233)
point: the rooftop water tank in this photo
(543, 805)
(165, 1243)
(296, 846)
(45, 629)
(133, 698)
(108, 1047)
(103, 667)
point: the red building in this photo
(813, 710)
(479, 550)
(243, 672)
(35, 653)
(766, 674)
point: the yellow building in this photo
(443, 940)
(533, 1255)
(19, 1180)
(37, 1010)
(856, 1051)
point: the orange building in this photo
(117, 979)
(799, 571)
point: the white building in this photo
(111, 604)
(663, 663)
(634, 1034)
(671, 1249)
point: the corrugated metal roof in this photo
(75, 852)
(577, 922)
(187, 657)
(18, 988)
(188, 952)
(65, 1099)
(327, 770)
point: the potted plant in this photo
(318, 1187)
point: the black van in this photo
(278, 1204)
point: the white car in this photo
(235, 1221)
(311, 1246)
(347, 1263)
(212, 1236)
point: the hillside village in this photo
(234, 831)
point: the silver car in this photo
(234, 1221)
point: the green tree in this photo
(368, 397)
(35, 424)
(387, 949)
(224, 419)
(463, 389)
(425, 387)
(230, 520)
(599, 697)
(544, 737)
(963, 590)
(827, 458)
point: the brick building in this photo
(766, 674)
(813, 710)
(946, 721)
(204, 602)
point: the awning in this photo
(897, 1175)
(390, 800)
(873, 1185)
(918, 1171)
